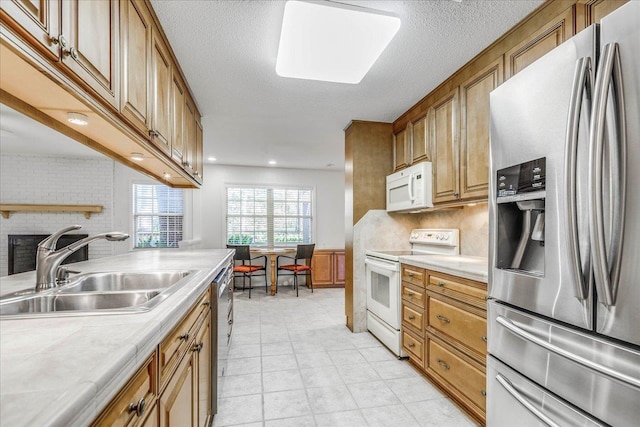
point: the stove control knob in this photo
(446, 237)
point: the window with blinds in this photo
(269, 216)
(157, 216)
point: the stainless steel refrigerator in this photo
(564, 212)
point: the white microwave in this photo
(410, 188)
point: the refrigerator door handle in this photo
(606, 266)
(594, 366)
(581, 78)
(504, 382)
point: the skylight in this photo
(332, 42)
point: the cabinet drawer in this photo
(413, 294)
(413, 275)
(175, 344)
(450, 365)
(132, 404)
(413, 316)
(466, 327)
(414, 347)
(466, 290)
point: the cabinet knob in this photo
(139, 407)
(456, 194)
(483, 392)
(410, 294)
(198, 347)
(73, 52)
(442, 319)
(153, 134)
(484, 338)
(60, 40)
(183, 337)
(443, 364)
(206, 303)
(441, 284)
(411, 345)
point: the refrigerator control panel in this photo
(523, 178)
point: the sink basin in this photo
(102, 282)
(84, 302)
(96, 293)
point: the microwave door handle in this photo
(581, 78)
(607, 282)
(411, 196)
(506, 384)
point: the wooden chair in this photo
(246, 269)
(303, 253)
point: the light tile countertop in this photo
(468, 267)
(62, 371)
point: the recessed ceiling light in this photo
(77, 119)
(272, 162)
(332, 42)
(138, 157)
(211, 159)
(166, 175)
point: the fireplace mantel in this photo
(6, 209)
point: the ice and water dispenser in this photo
(520, 196)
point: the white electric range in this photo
(383, 281)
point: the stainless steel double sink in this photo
(97, 293)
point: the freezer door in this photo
(599, 376)
(543, 111)
(513, 400)
(615, 144)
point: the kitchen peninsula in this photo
(65, 370)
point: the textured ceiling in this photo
(228, 49)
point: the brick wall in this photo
(56, 180)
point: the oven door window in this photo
(380, 289)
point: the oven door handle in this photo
(389, 266)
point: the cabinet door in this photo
(444, 125)
(593, 11)
(199, 153)
(555, 32)
(160, 93)
(321, 268)
(93, 54)
(203, 364)
(339, 272)
(474, 138)
(400, 150)
(135, 26)
(37, 21)
(177, 114)
(189, 135)
(177, 402)
(419, 140)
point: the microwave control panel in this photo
(523, 178)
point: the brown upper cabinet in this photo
(545, 39)
(594, 10)
(419, 141)
(444, 128)
(400, 150)
(114, 58)
(136, 29)
(474, 132)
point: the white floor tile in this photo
(437, 413)
(240, 385)
(282, 362)
(282, 380)
(286, 404)
(239, 410)
(413, 389)
(321, 376)
(306, 421)
(372, 394)
(330, 399)
(247, 365)
(344, 419)
(390, 416)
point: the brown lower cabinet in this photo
(173, 387)
(328, 269)
(444, 332)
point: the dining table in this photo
(273, 255)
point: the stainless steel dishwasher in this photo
(222, 317)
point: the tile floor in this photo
(293, 362)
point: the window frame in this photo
(133, 214)
(313, 216)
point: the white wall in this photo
(329, 200)
(38, 179)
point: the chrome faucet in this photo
(48, 259)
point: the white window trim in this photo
(187, 213)
(314, 217)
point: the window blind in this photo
(157, 216)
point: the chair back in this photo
(305, 251)
(243, 252)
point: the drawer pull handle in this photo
(206, 303)
(411, 294)
(138, 408)
(196, 348)
(441, 284)
(412, 317)
(183, 337)
(443, 364)
(484, 338)
(411, 345)
(443, 319)
(483, 392)
(410, 273)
